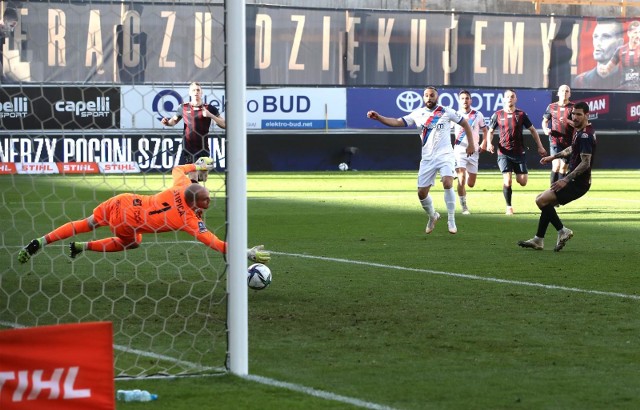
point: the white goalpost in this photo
(236, 187)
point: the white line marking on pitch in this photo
(464, 276)
(316, 393)
(435, 272)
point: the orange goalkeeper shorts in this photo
(112, 212)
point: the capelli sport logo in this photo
(101, 107)
(17, 107)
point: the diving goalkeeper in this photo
(178, 208)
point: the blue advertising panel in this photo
(398, 102)
(271, 108)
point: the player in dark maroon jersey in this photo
(628, 58)
(571, 187)
(197, 118)
(557, 124)
(510, 123)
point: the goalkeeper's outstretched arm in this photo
(197, 198)
(256, 254)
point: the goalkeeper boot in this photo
(533, 243)
(75, 249)
(564, 235)
(25, 253)
(432, 222)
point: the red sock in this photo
(68, 230)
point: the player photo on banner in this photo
(609, 55)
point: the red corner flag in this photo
(57, 367)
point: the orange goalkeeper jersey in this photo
(162, 212)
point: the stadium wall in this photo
(363, 150)
(399, 150)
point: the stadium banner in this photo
(67, 366)
(131, 43)
(113, 153)
(83, 168)
(618, 111)
(78, 168)
(55, 108)
(274, 108)
(399, 102)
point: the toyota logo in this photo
(408, 101)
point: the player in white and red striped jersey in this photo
(434, 123)
(467, 165)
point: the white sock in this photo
(427, 205)
(450, 200)
(463, 200)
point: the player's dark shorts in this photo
(513, 163)
(554, 149)
(571, 192)
(191, 157)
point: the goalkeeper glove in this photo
(258, 254)
(205, 164)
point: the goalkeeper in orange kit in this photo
(130, 215)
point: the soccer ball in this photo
(258, 276)
(343, 166)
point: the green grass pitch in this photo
(366, 310)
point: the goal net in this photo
(84, 86)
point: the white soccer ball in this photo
(343, 166)
(258, 276)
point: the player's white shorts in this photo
(429, 168)
(469, 163)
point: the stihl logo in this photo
(7, 168)
(61, 384)
(44, 167)
(119, 167)
(78, 167)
